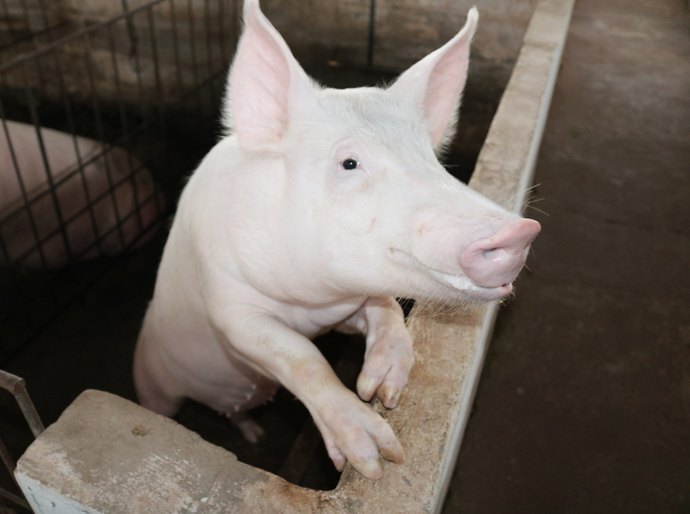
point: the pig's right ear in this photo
(434, 85)
(265, 84)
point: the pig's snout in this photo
(497, 260)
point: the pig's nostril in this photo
(494, 254)
(496, 261)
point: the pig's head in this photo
(368, 207)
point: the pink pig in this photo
(318, 208)
(98, 216)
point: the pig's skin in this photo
(82, 232)
(280, 236)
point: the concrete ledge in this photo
(106, 454)
(504, 172)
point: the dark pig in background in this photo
(313, 213)
(104, 208)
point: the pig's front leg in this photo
(389, 357)
(352, 430)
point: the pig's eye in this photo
(349, 164)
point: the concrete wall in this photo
(154, 55)
(318, 32)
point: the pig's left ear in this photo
(266, 85)
(435, 83)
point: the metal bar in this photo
(111, 230)
(209, 46)
(176, 48)
(132, 34)
(121, 111)
(4, 254)
(136, 65)
(22, 186)
(371, 40)
(67, 176)
(80, 163)
(17, 388)
(237, 25)
(222, 41)
(10, 28)
(200, 86)
(15, 499)
(44, 16)
(154, 57)
(192, 48)
(46, 163)
(34, 44)
(220, 44)
(159, 92)
(6, 458)
(25, 11)
(73, 36)
(120, 221)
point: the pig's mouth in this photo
(465, 284)
(456, 282)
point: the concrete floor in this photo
(584, 402)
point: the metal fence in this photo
(93, 105)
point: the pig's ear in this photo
(264, 84)
(435, 83)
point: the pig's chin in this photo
(457, 283)
(472, 290)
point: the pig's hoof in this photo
(354, 433)
(387, 365)
(251, 430)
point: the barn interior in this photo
(584, 400)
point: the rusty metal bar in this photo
(17, 387)
(14, 498)
(6, 458)
(9, 464)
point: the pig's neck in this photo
(241, 232)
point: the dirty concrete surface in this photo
(584, 401)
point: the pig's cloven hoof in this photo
(251, 430)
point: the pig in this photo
(315, 210)
(90, 232)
